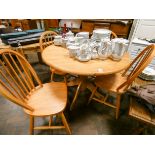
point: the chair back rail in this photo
(17, 78)
(46, 39)
(113, 35)
(138, 65)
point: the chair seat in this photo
(57, 72)
(110, 82)
(141, 112)
(48, 100)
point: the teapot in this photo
(69, 35)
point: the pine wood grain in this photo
(58, 58)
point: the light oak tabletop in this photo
(58, 57)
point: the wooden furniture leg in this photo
(65, 124)
(74, 82)
(40, 57)
(31, 125)
(93, 92)
(50, 120)
(65, 79)
(52, 76)
(76, 94)
(118, 98)
(82, 85)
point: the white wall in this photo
(143, 29)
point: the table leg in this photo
(91, 87)
(81, 83)
(74, 82)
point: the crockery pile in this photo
(99, 46)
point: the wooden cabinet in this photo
(87, 26)
(51, 23)
(23, 23)
(120, 27)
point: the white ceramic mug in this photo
(73, 51)
(79, 40)
(58, 40)
(64, 42)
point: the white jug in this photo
(119, 46)
(105, 49)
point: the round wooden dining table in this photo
(58, 58)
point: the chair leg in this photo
(118, 105)
(91, 96)
(65, 123)
(52, 76)
(50, 120)
(31, 125)
(65, 79)
(40, 57)
(50, 123)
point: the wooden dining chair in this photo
(46, 39)
(20, 84)
(118, 83)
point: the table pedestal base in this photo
(82, 83)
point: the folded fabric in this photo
(145, 94)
